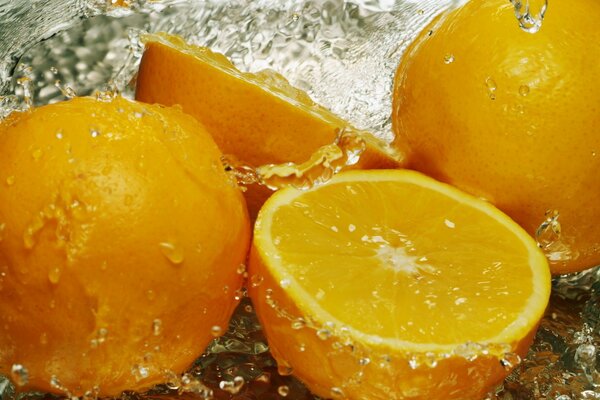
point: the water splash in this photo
(530, 19)
(324, 163)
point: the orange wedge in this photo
(258, 118)
(390, 285)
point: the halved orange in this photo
(391, 285)
(258, 118)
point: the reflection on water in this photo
(344, 54)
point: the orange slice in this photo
(391, 285)
(258, 118)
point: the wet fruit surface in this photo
(512, 116)
(121, 240)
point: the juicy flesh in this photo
(416, 265)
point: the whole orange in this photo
(121, 242)
(513, 117)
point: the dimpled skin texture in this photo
(121, 240)
(511, 116)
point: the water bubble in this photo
(10, 180)
(524, 90)
(157, 327)
(283, 390)
(19, 375)
(448, 59)
(172, 251)
(234, 386)
(216, 331)
(94, 133)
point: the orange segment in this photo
(380, 273)
(259, 118)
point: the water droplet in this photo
(510, 360)
(216, 331)
(140, 372)
(284, 369)
(59, 135)
(256, 280)
(94, 133)
(449, 224)
(585, 354)
(323, 333)
(351, 228)
(2, 230)
(363, 361)
(172, 251)
(283, 390)
(19, 375)
(234, 386)
(337, 393)
(66, 90)
(54, 70)
(298, 323)
(448, 59)
(524, 90)
(54, 275)
(491, 86)
(156, 327)
(10, 180)
(241, 269)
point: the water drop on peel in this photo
(172, 251)
(491, 86)
(216, 331)
(10, 180)
(524, 90)
(284, 370)
(283, 390)
(448, 59)
(19, 375)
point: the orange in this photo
(258, 118)
(386, 284)
(121, 242)
(512, 117)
